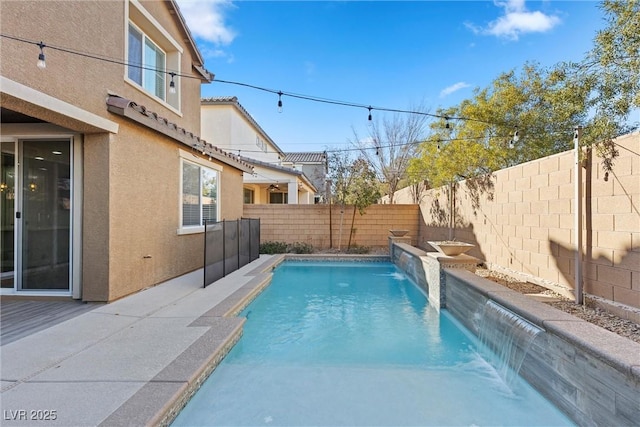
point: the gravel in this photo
(608, 321)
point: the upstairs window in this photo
(152, 52)
(147, 63)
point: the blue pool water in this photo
(356, 344)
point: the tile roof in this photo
(140, 114)
(308, 157)
(284, 169)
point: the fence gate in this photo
(228, 246)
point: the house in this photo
(313, 165)
(105, 183)
(228, 125)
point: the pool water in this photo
(356, 344)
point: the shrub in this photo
(356, 249)
(300, 248)
(271, 248)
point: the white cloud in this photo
(453, 88)
(206, 20)
(517, 20)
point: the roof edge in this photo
(139, 113)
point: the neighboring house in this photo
(314, 166)
(228, 125)
(104, 184)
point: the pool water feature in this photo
(357, 344)
(505, 338)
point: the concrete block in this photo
(613, 239)
(627, 222)
(550, 193)
(626, 296)
(561, 177)
(549, 165)
(560, 206)
(614, 205)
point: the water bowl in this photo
(398, 233)
(451, 248)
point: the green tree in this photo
(353, 182)
(608, 78)
(517, 118)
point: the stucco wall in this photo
(92, 27)
(523, 222)
(131, 182)
(311, 223)
(144, 198)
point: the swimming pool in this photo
(357, 344)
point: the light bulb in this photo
(41, 62)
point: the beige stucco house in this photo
(228, 125)
(105, 183)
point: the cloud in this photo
(205, 19)
(453, 88)
(517, 20)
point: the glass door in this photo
(7, 213)
(44, 215)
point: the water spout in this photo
(505, 338)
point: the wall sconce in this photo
(33, 186)
(3, 186)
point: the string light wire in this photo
(175, 73)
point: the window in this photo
(199, 195)
(153, 51)
(278, 198)
(248, 196)
(147, 63)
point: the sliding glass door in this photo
(36, 215)
(7, 214)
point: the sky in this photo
(404, 55)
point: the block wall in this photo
(314, 225)
(522, 221)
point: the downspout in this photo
(577, 175)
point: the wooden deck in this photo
(20, 318)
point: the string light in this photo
(279, 93)
(172, 85)
(41, 61)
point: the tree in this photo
(353, 182)
(389, 147)
(608, 78)
(517, 118)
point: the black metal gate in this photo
(228, 246)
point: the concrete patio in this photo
(128, 362)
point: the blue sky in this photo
(388, 54)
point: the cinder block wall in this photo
(312, 223)
(523, 222)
